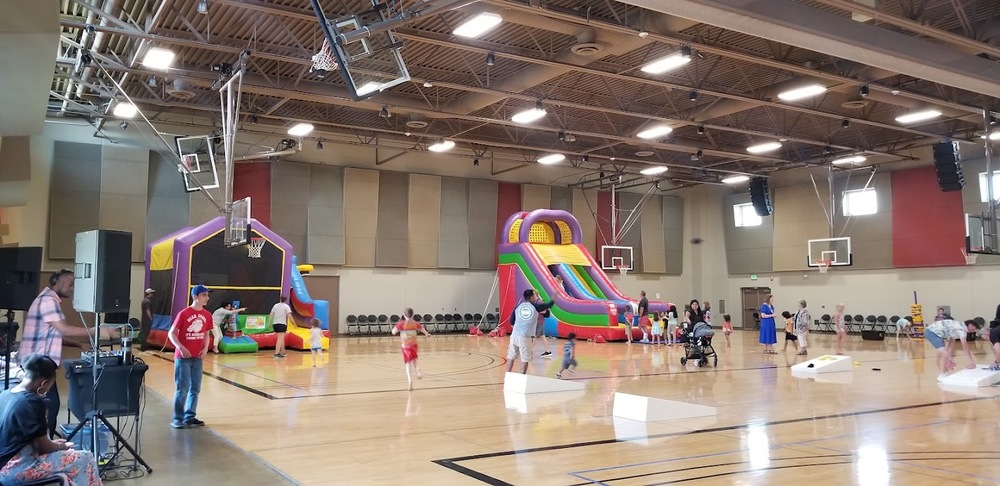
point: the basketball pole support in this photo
(990, 189)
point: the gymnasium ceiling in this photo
(583, 60)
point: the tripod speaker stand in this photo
(9, 331)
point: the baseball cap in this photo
(199, 289)
(148, 291)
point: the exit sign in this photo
(753, 276)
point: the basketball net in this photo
(323, 61)
(622, 270)
(970, 259)
(255, 246)
(824, 266)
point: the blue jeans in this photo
(187, 377)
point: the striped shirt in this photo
(39, 335)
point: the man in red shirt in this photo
(189, 335)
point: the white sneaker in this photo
(941, 377)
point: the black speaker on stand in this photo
(20, 271)
(760, 196)
(948, 165)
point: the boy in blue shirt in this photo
(569, 355)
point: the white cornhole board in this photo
(535, 402)
(646, 409)
(825, 364)
(520, 383)
(637, 432)
(977, 378)
(838, 378)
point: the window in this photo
(983, 193)
(860, 202)
(746, 215)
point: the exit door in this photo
(753, 297)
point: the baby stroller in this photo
(698, 345)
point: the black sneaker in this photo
(547, 354)
(194, 423)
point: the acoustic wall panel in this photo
(360, 216)
(424, 220)
(453, 232)
(253, 180)
(391, 239)
(290, 194)
(124, 175)
(325, 231)
(605, 234)
(673, 234)
(798, 217)
(871, 234)
(584, 205)
(928, 226)
(535, 197)
(508, 202)
(654, 259)
(74, 197)
(633, 237)
(749, 249)
(167, 205)
(562, 198)
(482, 224)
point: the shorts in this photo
(644, 321)
(790, 337)
(317, 348)
(995, 335)
(520, 347)
(540, 329)
(280, 328)
(409, 353)
(802, 340)
(567, 362)
(934, 339)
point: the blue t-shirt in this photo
(568, 349)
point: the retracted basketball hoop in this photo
(255, 246)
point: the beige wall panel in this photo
(360, 216)
(535, 197)
(582, 213)
(798, 217)
(653, 252)
(424, 220)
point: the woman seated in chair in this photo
(26, 452)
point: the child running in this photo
(315, 340)
(407, 330)
(727, 327)
(569, 355)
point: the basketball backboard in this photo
(238, 223)
(197, 162)
(615, 257)
(976, 232)
(837, 251)
(367, 52)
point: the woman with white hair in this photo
(802, 320)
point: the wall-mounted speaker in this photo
(103, 271)
(760, 196)
(20, 269)
(948, 164)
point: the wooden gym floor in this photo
(351, 420)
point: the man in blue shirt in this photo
(524, 319)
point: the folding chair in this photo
(882, 322)
(352, 324)
(892, 322)
(859, 321)
(362, 324)
(447, 323)
(383, 324)
(372, 324)
(869, 323)
(825, 323)
(848, 320)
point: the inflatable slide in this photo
(538, 245)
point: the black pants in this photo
(52, 399)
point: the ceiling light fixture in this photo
(478, 25)
(253, 119)
(918, 116)
(764, 147)
(802, 92)
(203, 7)
(551, 159)
(863, 91)
(442, 146)
(491, 58)
(530, 116)
(384, 112)
(701, 129)
(994, 135)
(654, 132)
(125, 110)
(428, 84)
(475, 162)
(643, 34)
(300, 129)
(735, 179)
(654, 170)
(319, 144)
(665, 64)
(853, 159)
(124, 125)
(158, 58)
(693, 96)
(846, 123)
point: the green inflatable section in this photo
(242, 344)
(588, 320)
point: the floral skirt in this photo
(29, 465)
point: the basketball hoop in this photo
(622, 270)
(255, 246)
(970, 258)
(824, 266)
(323, 61)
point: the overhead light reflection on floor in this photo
(758, 446)
(873, 465)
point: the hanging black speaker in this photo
(760, 196)
(948, 164)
